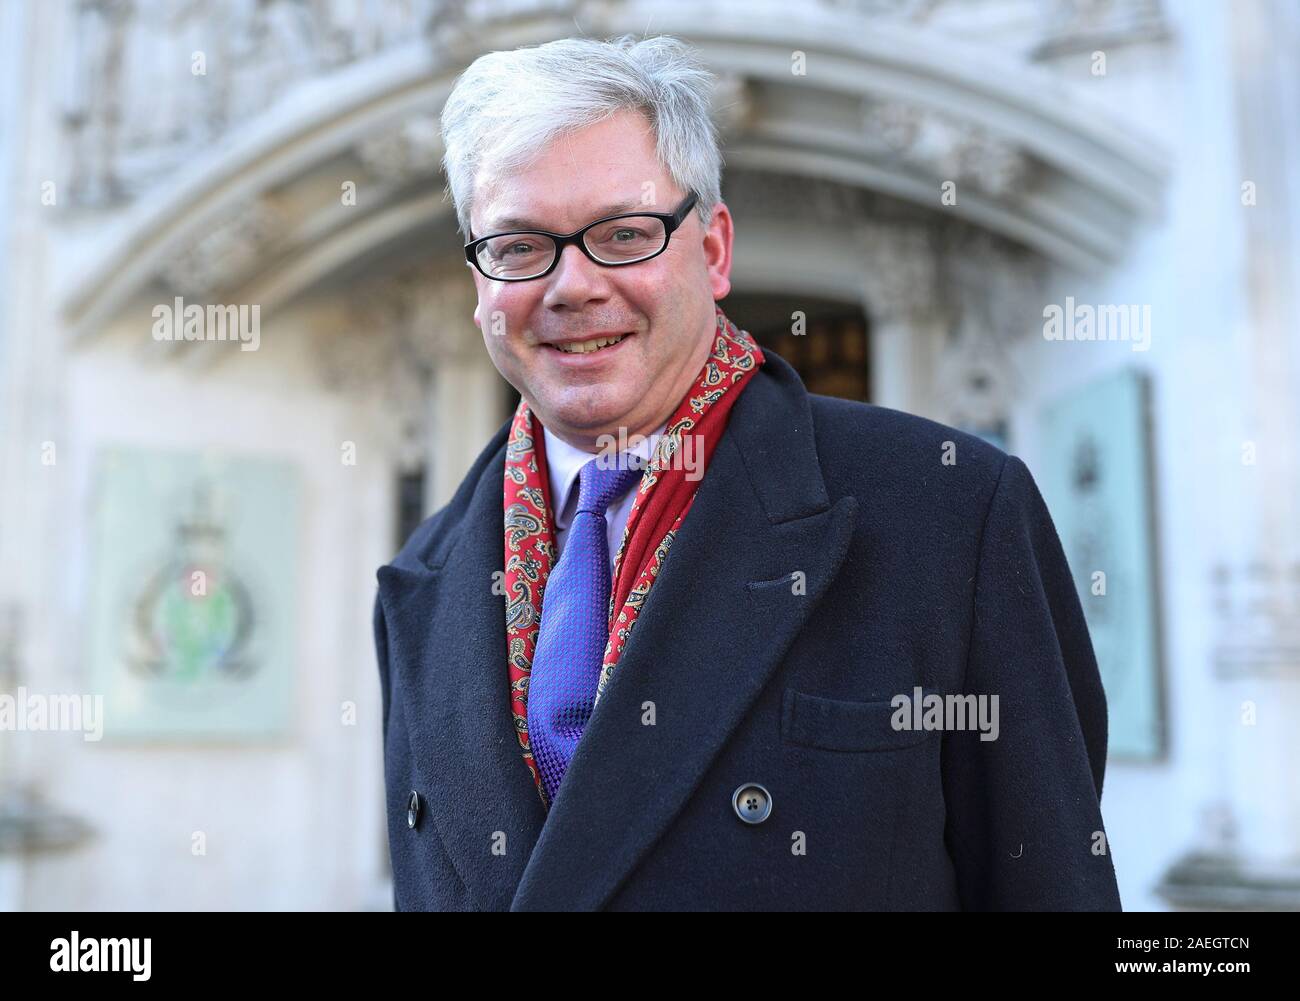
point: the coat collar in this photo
(761, 513)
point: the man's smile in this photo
(588, 353)
(594, 344)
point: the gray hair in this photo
(508, 106)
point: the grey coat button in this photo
(413, 809)
(752, 803)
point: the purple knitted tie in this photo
(575, 626)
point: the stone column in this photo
(994, 293)
(901, 301)
(35, 450)
(1249, 855)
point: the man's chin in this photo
(585, 421)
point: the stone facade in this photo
(945, 167)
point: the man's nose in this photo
(576, 280)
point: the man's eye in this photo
(629, 234)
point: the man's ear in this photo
(479, 282)
(718, 239)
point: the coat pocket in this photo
(836, 725)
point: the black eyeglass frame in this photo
(671, 221)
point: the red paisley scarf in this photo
(663, 497)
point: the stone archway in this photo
(872, 159)
(865, 95)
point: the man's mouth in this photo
(586, 347)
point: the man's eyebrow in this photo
(521, 222)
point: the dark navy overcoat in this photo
(837, 555)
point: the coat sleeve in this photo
(1024, 826)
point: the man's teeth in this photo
(582, 347)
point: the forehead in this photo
(600, 170)
(547, 219)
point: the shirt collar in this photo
(564, 462)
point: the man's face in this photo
(664, 305)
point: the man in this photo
(814, 655)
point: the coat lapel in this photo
(717, 623)
(447, 652)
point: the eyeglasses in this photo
(616, 240)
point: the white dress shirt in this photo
(563, 462)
